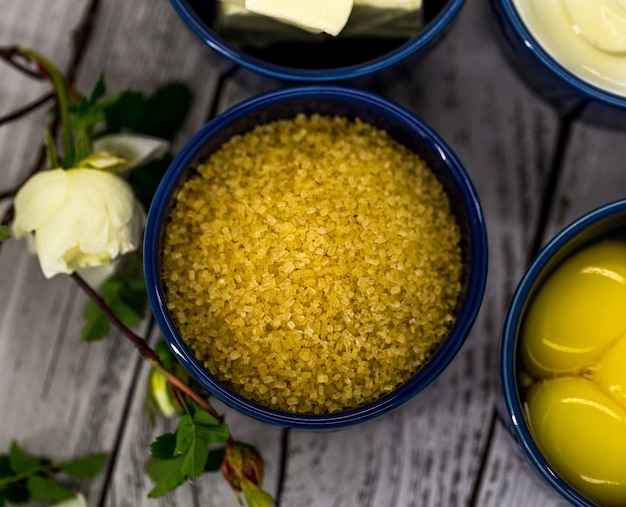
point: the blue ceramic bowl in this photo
(569, 94)
(608, 221)
(331, 60)
(405, 128)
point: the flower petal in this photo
(39, 199)
(136, 149)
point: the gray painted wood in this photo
(430, 451)
(446, 447)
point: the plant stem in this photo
(140, 344)
(147, 352)
(63, 90)
(27, 473)
(8, 53)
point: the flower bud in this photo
(80, 218)
(160, 393)
(243, 468)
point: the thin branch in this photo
(146, 351)
(140, 344)
(80, 38)
(12, 55)
(181, 386)
(24, 110)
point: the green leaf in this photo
(112, 286)
(165, 355)
(255, 496)
(185, 435)
(125, 112)
(125, 312)
(5, 466)
(163, 447)
(98, 91)
(16, 493)
(166, 110)
(5, 233)
(124, 293)
(214, 460)
(84, 467)
(145, 179)
(166, 474)
(19, 460)
(192, 443)
(42, 489)
(211, 429)
(97, 325)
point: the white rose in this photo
(81, 218)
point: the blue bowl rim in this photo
(212, 39)
(508, 351)
(532, 44)
(442, 357)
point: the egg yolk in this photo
(577, 313)
(582, 432)
(610, 372)
(574, 342)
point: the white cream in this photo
(315, 16)
(588, 37)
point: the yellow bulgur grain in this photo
(312, 264)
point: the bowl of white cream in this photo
(573, 52)
(321, 40)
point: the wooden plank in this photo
(166, 51)
(141, 45)
(510, 479)
(57, 391)
(592, 174)
(65, 398)
(60, 396)
(130, 485)
(430, 451)
(28, 24)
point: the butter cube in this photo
(315, 16)
(405, 5)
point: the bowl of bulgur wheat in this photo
(315, 256)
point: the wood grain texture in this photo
(509, 479)
(592, 174)
(29, 24)
(430, 451)
(444, 448)
(58, 394)
(165, 50)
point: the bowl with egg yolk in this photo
(571, 52)
(321, 41)
(563, 360)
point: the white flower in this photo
(81, 218)
(134, 149)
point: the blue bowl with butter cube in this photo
(322, 41)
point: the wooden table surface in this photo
(534, 173)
